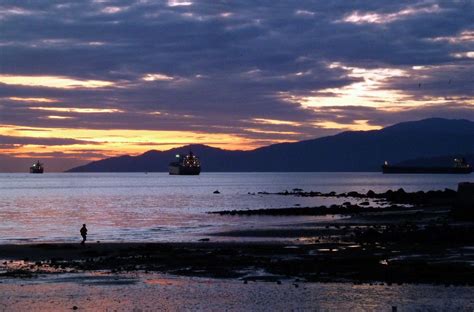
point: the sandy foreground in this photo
(211, 276)
(157, 292)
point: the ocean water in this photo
(52, 207)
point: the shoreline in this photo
(319, 260)
(396, 245)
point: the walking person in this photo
(83, 234)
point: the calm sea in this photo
(160, 207)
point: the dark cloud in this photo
(229, 63)
(15, 140)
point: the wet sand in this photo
(157, 292)
(335, 252)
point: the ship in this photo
(37, 168)
(460, 166)
(185, 165)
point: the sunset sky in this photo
(85, 80)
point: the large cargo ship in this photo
(37, 168)
(460, 167)
(185, 165)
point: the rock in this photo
(463, 207)
(370, 193)
(353, 194)
(204, 240)
(216, 192)
(371, 235)
(75, 308)
(366, 203)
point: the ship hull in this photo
(181, 170)
(36, 170)
(426, 170)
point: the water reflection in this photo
(156, 206)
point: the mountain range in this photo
(415, 142)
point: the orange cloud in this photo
(53, 82)
(358, 125)
(31, 99)
(78, 110)
(114, 142)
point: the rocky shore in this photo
(400, 196)
(366, 261)
(426, 249)
(413, 239)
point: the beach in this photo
(157, 292)
(422, 245)
(365, 250)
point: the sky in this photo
(86, 80)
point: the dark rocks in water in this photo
(354, 194)
(366, 203)
(463, 206)
(309, 211)
(204, 239)
(400, 196)
(216, 192)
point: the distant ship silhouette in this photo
(460, 166)
(185, 165)
(37, 168)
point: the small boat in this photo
(185, 165)
(37, 168)
(460, 167)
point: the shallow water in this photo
(157, 292)
(160, 207)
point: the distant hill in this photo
(346, 151)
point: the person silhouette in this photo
(83, 234)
